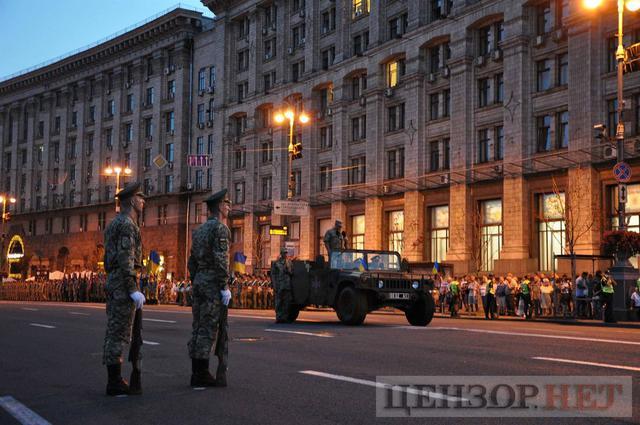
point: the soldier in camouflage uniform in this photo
(209, 269)
(122, 261)
(334, 239)
(281, 271)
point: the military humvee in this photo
(356, 282)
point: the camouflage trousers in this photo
(120, 313)
(206, 308)
(283, 300)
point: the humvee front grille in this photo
(396, 284)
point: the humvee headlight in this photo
(380, 284)
(415, 285)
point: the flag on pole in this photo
(362, 266)
(436, 268)
(154, 262)
(239, 260)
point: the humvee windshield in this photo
(365, 261)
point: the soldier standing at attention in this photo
(209, 269)
(122, 261)
(333, 239)
(281, 271)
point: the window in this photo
(562, 12)
(128, 132)
(447, 154)
(200, 117)
(360, 8)
(489, 38)
(357, 231)
(108, 137)
(149, 66)
(325, 178)
(612, 116)
(171, 89)
(562, 134)
(170, 122)
(358, 170)
(210, 145)
(168, 183)
(243, 90)
(394, 70)
(328, 21)
(147, 158)
(243, 25)
(328, 57)
(270, 49)
(433, 106)
(266, 188)
(358, 86)
(298, 36)
(102, 219)
(129, 105)
(148, 128)
(74, 119)
(446, 103)
(551, 228)
(243, 60)
(543, 74)
(56, 126)
(563, 69)
(483, 145)
(149, 98)
(270, 16)
(398, 26)
(238, 193)
(202, 75)
(543, 18)
(395, 117)
(199, 179)
(267, 152)
(490, 233)
(326, 137)
(240, 124)
(297, 183)
(240, 158)
(359, 128)
(612, 62)
(440, 9)
(92, 118)
(543, 133)
(297, 69)
(499, 142)
(396, 231)
(395, 164)
(212, 76)
(434, 156)
(269, 80)
(498, 95)
(162, 214)
(200, 145)
(360, 43)
(483, 92)
(169, 152)
(439, 233)
(197, 213)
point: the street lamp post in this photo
(4, 199)
(279, 118)
(117, 171)
(632, 5)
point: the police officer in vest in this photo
(209, 269)
(607, 297)
(525, 293)
(333, 238)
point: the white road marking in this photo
(39, 325)
(580, 362)
(378, 385)
(159, 320)
(22, 413)
(573, 338)
(246, 316)
(150, 342)
(299, 333)
(30, 309)
(75, 313)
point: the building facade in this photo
(455, 131)
(127, 102)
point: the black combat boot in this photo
(221, 375)
(200, 375)
(135, 383)
(116, 385)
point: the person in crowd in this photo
(635, 301)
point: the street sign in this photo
(159, 161)
(278, 230)
(622, 172)
(297, 208)
(198, 160)
(622, 193)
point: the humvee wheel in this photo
(294, 310)
(351, 306)
(421, 312)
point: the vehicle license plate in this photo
(399, 296)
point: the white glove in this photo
(226, 296)
(138, 299)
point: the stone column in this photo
(461, 211)
(308, 236)
(373, 223)
(414, 222)
(249, 233)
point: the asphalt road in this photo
(315, 371)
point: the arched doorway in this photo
(63, 259)
(15, 256)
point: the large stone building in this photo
(119, 103)
(450, 130)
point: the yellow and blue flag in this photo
(436, 268)
(362, 265)
(239, 260)
(154, 262)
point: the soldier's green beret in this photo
(216, 198)
(130, 190)
(339, 223)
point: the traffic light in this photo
(297, 151)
